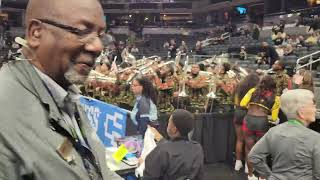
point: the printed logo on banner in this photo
(108, 121)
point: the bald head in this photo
(64, 37)
(61, 9)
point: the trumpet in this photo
(143, 61)
(94, 75)
(166, 63)
(125, 69)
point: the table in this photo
(120, 168)
(215, 132)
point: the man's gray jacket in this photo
(28, 139)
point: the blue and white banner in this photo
(108, 120)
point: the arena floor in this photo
(222, 172)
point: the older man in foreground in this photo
(44, 132)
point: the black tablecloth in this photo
(214, 131)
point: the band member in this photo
(281, 77)
(125, 98)
(164, 82)
(183, 48)
(225, 87)
(197, 89)
(108, 92)
(104, 68)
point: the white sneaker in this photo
(246, 169)
(238, 165)
(253, 177)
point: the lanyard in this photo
(295, 122)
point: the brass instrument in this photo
(166, 63)
(103, 54)
(94, 75)
(146, 68)
(206, 74)
(182, 91)
(125, 69)
(144, 59)
(139, 65)
(208, 61)
(243, 72)
(128, 57)
(212, 87)
(178, 58)
(142, 70)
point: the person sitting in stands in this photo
(243, 53)
(278, 38)
(312, 40)
(288, 50)
(270, 53)
(183, 48)
(303, 80)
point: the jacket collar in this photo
(24, 72)
(27, 76)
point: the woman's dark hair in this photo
(267, 83)
(250, 81)
(147, 88)
(266, 92)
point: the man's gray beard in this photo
(74, 77)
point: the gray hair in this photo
(292, 100)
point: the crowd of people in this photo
(256, 97)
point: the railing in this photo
(311, 61)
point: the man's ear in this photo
(33, 35)
(300, 113)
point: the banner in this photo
(109, 121)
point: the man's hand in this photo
(157, 135)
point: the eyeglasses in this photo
(85, 36)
